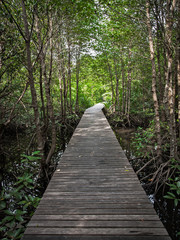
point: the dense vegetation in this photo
(59, 57)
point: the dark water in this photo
(169, 216)
(10, 157)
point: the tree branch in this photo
(19, 28)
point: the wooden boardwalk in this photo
(94, 193)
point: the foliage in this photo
(143, 142)
(18, 203)
(174, 184)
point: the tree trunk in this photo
(40, 141)
(111, 78)
(64, 89)
(77, 79)
(129, 86)
(159, 50)
(155, 100)
(123, 86)
(60, 80)
(178, 65)
(69, 74)
(51, 48)
(169, 95)
(117, 104)
(0, 55)
(48, 97)
(42, 98)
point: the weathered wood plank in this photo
(96, 217)
(98, 231)
(98, 205)
(48, 210)
(89, 224)
(87, 194)
(91, 237)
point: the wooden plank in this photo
(87, 194)
(98, 205)
(89, 224)
(91, 237)
(93, 211)
(97, 231)
(96, 217)
(94, 193)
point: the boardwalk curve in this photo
(94, 193)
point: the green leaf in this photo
(26, 205)
(3, 229)
(31, 198)
(168, 197)
(8, 212)
(21, 202)
(7, 219)
(36, 152)
(11, 224)
(10, 234)
(17, 232)
(20, 212)
(19, 218)
(178, 184)
(2, 205)
(176, 202)
(172, 194)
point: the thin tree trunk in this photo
(111, 78)
(51, 48)
(129, 86)
(155, 100)
(123, 86)
(77, 80)
(42, 98)
(60, 80)
(40, 141)
(64, 89)
(117, 104)
(69, 74)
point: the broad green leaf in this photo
(8, 212)
(7, 219)
(168, 197)
(2, 205)
(176, 202)
(19, 218)
(17, 232)
(172, 194)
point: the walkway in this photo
(94, 193)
